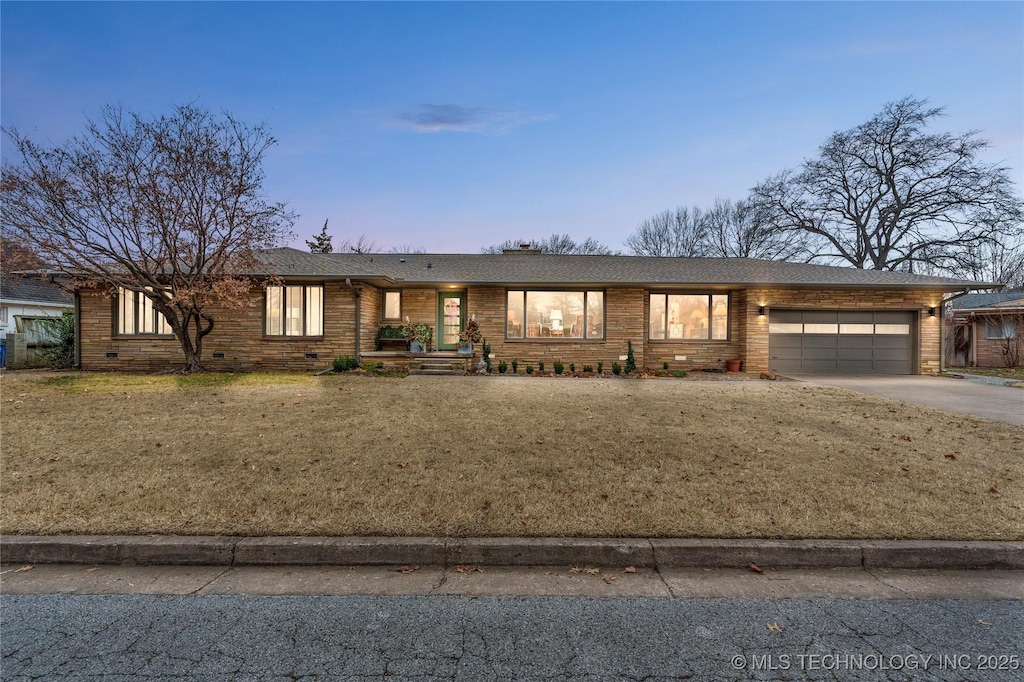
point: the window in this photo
(392, 305)
(295, 310)
(689, 317)
(135, 315)
(999, 328)
(555, 314)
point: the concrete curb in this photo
(605, 552)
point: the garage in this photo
(841, 342)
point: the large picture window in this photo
(555, 315)
(295, 310)
(135, 315)
(689, 317)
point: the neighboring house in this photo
(986, 330)
(693, 313)
(25, 302)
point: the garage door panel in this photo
(842, 347)
(856, 353)
(848, 366)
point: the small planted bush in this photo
(664, 366)
(529, 369)
(679, 373)
(600, 367)
(515, 366)
(630, 358)
(572, 367)
(559, 367)
(487, 356)
(540, 365)
(344, 364)
(502, 367)
(616, 369)
(587, 369)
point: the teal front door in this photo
(451, 318)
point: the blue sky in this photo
(451, 126)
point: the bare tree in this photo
(556, 243)
(321, 243)
(362, 244)
(995, 260)
(406, 248)
(887, 195)
(170, 207)
(679, 233)
(740, 230)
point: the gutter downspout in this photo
(359, 316)
(77, 363)
(942, 327)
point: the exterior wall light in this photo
(760, 310)
(931, 312)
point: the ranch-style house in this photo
(692, 313)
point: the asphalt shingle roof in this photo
(531, 269)
(979, 301)
(33, 289)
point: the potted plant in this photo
(468, 336)
(419, 336)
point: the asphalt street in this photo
(247, 637)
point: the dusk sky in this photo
(452, 126)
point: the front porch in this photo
(438, 362)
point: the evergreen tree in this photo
(321, 243)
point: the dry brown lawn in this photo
(490, 456)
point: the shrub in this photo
(559, 367)
(371, 366)
(630, 358)
(502, 367)
(529, 369)
(679, 373)
(572, 367)
(540, 366)
(587, 369)
(664, 366)
(600, 367)
(616, 369)
(661, 373)
(487, 356)
(515, 366)
(344, 364)
(61, 332)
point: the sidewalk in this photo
(654, 554)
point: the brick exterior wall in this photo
(987, 352)
(239, 333)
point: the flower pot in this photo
(464, 349)
(732, 365)
(417, 346)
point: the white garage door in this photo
(841, 342)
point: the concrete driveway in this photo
(1001, 403)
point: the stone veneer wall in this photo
(754, 346)
(624, 321)
(238, 333)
